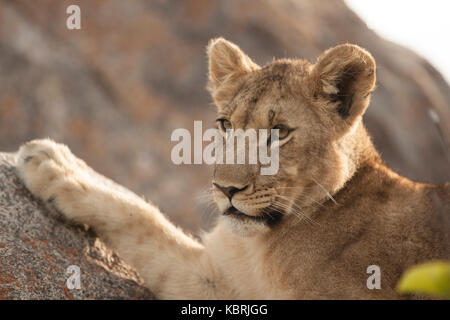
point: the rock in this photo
(116, 89)
(37, 248)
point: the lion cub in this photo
(308, 232)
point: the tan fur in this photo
(342, 208)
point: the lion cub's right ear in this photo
(227, 63)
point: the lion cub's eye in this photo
(224, 124)
(283, 132)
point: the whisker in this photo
(296, 207)
(205, 195)
(295, 211)
(298, 215)
(266, 211)
(305, 196)
(209, 210)
(279, 207)
(325, 190)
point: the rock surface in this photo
(36, 249)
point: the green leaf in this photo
(431, 278)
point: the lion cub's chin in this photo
(243, 228)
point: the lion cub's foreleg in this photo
(171, 263)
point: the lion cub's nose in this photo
(229, 191)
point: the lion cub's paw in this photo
(48, 169)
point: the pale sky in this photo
(421, 25)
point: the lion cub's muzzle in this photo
(246, 204)
(271, 217)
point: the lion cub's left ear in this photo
(342, 80)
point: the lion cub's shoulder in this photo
(440, 199)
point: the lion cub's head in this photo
(317, 109)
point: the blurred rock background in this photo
(116, 89)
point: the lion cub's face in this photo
(316, 109)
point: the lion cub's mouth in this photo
(271, 218)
